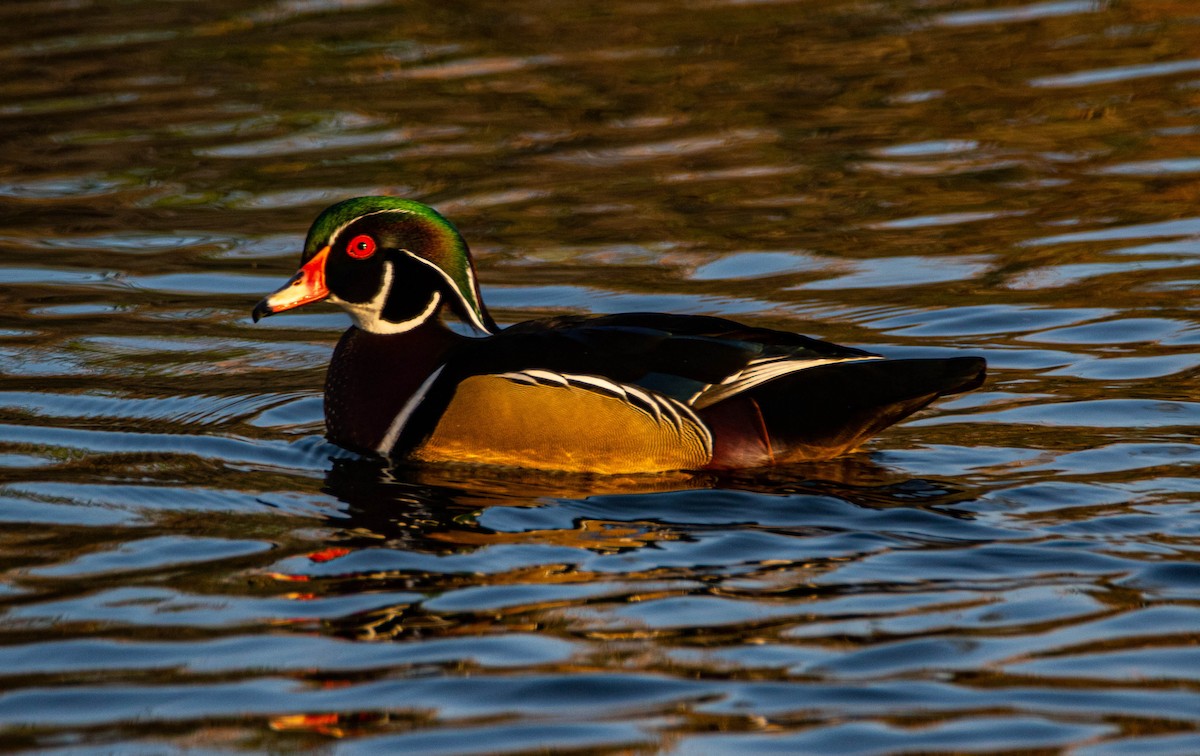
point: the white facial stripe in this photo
(387, 326)
(338, 231)
(475, 321)
(369, 315)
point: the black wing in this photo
(677, 355)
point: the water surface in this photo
(187, 565)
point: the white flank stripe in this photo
(639, 393)
(601, 383)
(673, 414)
(545, 375)
(524, 378)
(647, 399)
(393, 431)
(661, 408)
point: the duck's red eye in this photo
(361, 247)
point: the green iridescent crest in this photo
(416, 228)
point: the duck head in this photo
(391, 263)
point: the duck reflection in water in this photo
(433, 528)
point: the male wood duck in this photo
(637, 392)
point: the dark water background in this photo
(185, 567)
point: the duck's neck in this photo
(373, 376)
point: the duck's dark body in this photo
(813, 413)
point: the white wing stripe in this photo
(762, 371)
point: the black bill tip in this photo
(261, 310)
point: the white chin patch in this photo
(368, 316)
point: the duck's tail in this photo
(829, 410)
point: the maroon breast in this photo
(372, 376)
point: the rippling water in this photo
(188, 565)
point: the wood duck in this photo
(636, 392)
